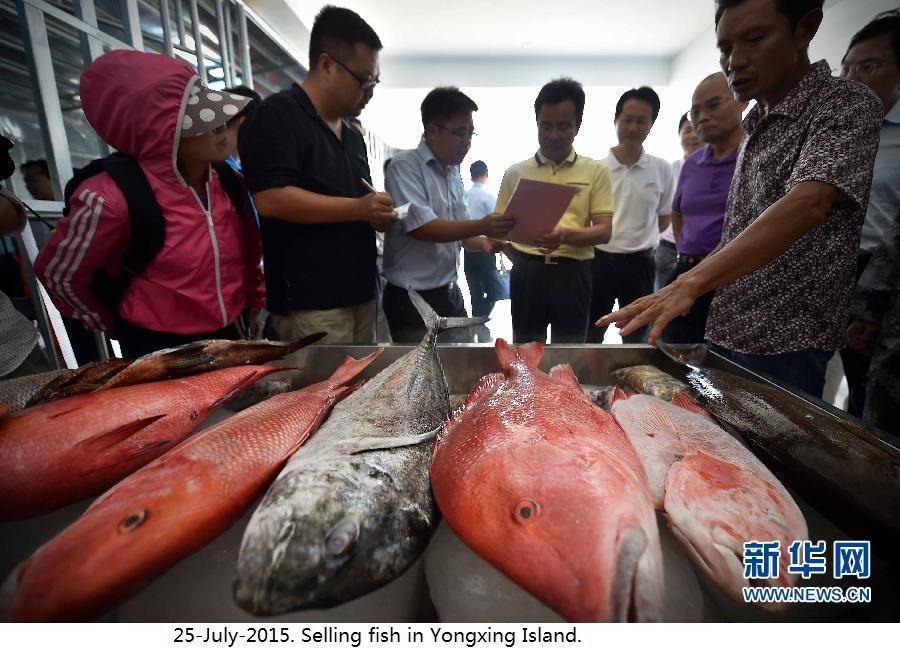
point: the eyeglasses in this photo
(866, 68)
(365, 83)
(461, 133)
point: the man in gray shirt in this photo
(421, 251)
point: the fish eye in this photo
(341, 540)
(133, 520)
(526, 510)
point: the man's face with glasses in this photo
(355, 78)
(451, 140)
(873, 62)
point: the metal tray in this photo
(199, 587)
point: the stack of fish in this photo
(109, 419)
(529, 473)
(171, 507)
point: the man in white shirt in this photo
(643, 185)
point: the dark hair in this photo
(245, 91)
(443, 103)
(793, 9)
(36, 163)
(249, 109)
(887, 22)
(337, 31)
(645, 94)
(478, 169)
(684, 118)
(560, 90)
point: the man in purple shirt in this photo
(698, 208)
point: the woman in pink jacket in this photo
(152, 108)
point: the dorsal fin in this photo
(619, 394)
(529, 353)
(564, 374)
(688, 403)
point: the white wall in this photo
(843, 18)
(505, 123)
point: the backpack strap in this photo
(232, 185)
(81, 174)
(148, 227)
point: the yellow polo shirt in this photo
(594, 196)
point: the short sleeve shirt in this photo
(593, 197)
(700, 198)
(825, 129)
(417, 178)
(642, 193)
(479, 201)
(309, 266)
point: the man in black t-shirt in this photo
(306, 165)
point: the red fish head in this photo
(72, 577)
(566, 542)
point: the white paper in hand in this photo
(537, 207)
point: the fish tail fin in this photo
(351, 367)
(293, 346)
(529, 353)
(619, 394)
(253, 375)
(688, 403)
(564, 374)
(441, 323)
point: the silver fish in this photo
(353, 508)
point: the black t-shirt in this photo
(309, 266)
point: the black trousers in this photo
(558, 295)
(622, 276)
(480, 269)
(856, 365)
(405, 322)
(692, 327)
(137, 341)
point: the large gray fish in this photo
(353, 508)
(833, 461)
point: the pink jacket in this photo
(209, 267)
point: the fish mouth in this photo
(634, 597)
(724, 566)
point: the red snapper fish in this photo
(715, 493)
(71, 449)
(172, 507)
(547, 488)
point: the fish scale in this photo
(170, 508)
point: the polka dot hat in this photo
(209, 109)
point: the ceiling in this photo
(509, 28)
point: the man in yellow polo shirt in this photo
(550, 283)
